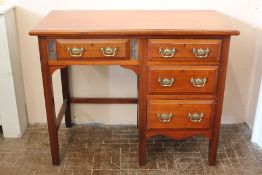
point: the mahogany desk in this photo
(180, 58)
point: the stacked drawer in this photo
(182, 67)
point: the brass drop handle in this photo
(165, 117)
(108, 51)
(167, 53)
(76, 51)
(166, 82)
(198, 82)
(201, 53)
(195, 117)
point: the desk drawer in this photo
(183, 79)
(179, 114)
(78, 49)
(184, 50)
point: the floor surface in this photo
(99, 150)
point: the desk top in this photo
(136, 22)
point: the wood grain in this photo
(184, 49)
(137, 22)
(104, 100)
(66, 95)
(142, 100)
(93, 62)
(184, 30)
(182, 78)
(92, 48)
(179, 134)
(185, 96)
(61, 113)
(49, 101)
(213, 143)
(180, 110)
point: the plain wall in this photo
(115, 81)
(256, 73)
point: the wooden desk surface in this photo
(134, 23)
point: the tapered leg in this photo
(141, 129)
(66, 95)
(51, 116)
(142, 100)
(142, 152)
(212, 151)
(213, 143)
(49, 102)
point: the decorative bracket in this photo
(52, 69)
(133, 68)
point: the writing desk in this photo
(180, 58)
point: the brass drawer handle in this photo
(165, 117)
(195, 117)
(201, 53)
(76, 51)
(108, 51)
(198, 82)
(167, 53)
(166, 82)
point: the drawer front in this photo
(179, 114)
(183, 79)
(184, 50)
(78, 49)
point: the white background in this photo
(244, 71)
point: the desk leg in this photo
(212, 151)
(142, 100)
(213, 143)
(141, 124)
(49, 102)
(51, 116)
(66, 95)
